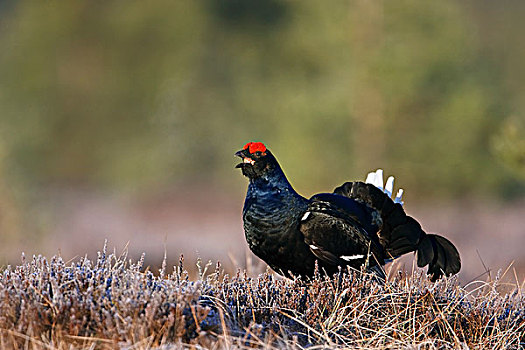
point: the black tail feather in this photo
(400, 233)
(439, 254)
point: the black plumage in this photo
(358, 224)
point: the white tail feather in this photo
(376, 178)
(399, 197)
(379, 179)
(389, 187)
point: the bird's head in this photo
(257, 160)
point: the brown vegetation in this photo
(116, 303)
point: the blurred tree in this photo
(9, 218)
(249, 13)
(80, 83)
(440, 98)
(509, 146)
(138, 96)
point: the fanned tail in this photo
(439, 254)
(400, 233)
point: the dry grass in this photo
(115, 303)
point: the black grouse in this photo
(358, 224)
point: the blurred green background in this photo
(124, 114)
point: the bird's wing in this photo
(398, 233)
(335, 228)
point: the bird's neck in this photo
(275, 191)
(273, 179)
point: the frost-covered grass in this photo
(116, 303)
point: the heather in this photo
(113, 302)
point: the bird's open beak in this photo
(245, 159)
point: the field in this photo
(119, 121)
(114, 302)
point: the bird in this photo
(358, 224)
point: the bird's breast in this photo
(271, 222)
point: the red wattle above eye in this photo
(255, 147)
